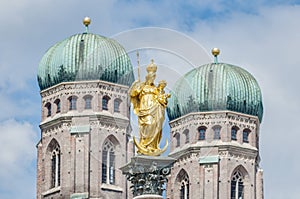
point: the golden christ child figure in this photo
(149, 103)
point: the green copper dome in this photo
(214, 87)
(85, 57)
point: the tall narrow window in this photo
(246, 133)
(237, 186)
(187, 135)
(202, 131)
(108, 163)
(184, 189)
(72, 103)
(117, 103)
(58, 106)
(183, 181)
(177, 138)
(105, 100)
(55, 158)
(88, 102)
(217, 134)
(48, 106)
(55, 167)
(233, 133)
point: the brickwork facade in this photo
(208, 162)
(82, 131)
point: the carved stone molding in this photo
(244, 155)
(82, 87)
(147, 174)
(216, 117)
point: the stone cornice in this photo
(101, 120)
(54, 123)
(235, 151)
(85, 86)
(214, 118)
(223, 150)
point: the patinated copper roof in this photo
(216, 87)
(85, 57)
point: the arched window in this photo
(201, 130)
(187, 135)
(183, 181)
(246, 133)
(58, 106)
(177, 138)
(48, 106)
(72, 103)
(237, 185)
(117, 103)
(184, 189)
(234, 133)
(54, 150)
(105, 100)
(217, 132)
(108, 162)
(88, 102)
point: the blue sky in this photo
(261, 36)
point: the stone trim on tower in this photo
(80, 134)
(210, 161)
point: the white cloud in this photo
(173, 52)
(267, 45)
(19, 105)
(265, 42)
(18, 140)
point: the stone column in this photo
(148, 174)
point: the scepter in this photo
(139, 67)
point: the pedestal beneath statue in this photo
(148, 175)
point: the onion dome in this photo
(216, 87)
(85, 56)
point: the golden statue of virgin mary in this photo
(149, 103)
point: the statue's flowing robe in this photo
(150, 112)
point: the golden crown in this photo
(151, 67)
(162, 82)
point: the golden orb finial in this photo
(86, 21)
(215, 51)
